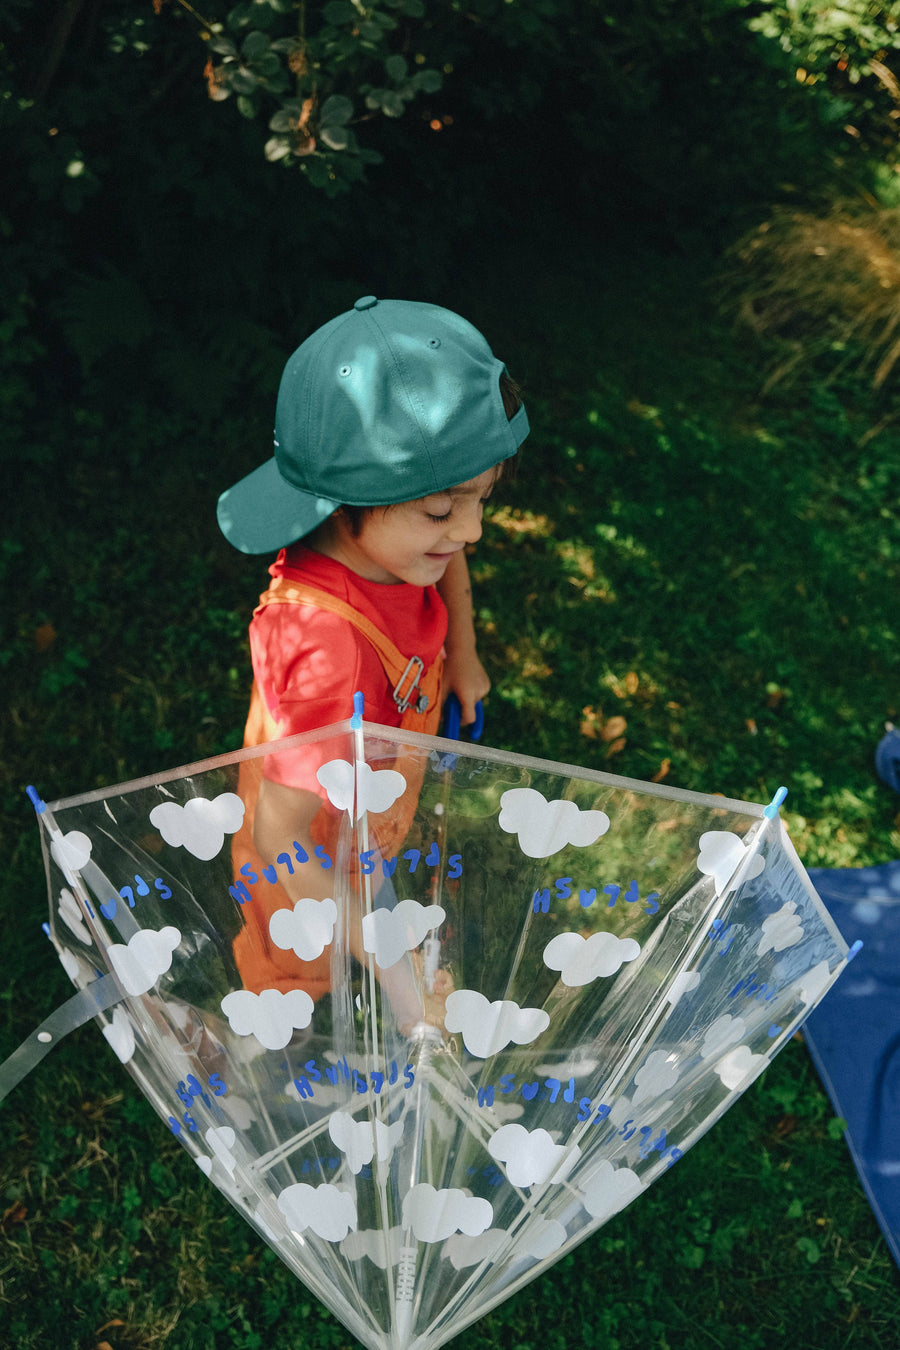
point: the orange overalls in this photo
(261, 964)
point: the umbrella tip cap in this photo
(854, 950)
(772, 809)
(359, 704)
(33, 796)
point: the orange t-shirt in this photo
(308, 663)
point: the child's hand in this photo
(466, 677)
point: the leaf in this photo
(614, 728)
(339, 11)
(216, 85)
(336, 111)
(429, 81)
(336, 138)
(317, 171)
(240, 16)
(242, 80)
(44, 637)
(280, 121)
(662, 772)
(255, 45)
(590, 723)
(396, 67)
(389, 102)
(15, 1214)
(276, 148)
(223, 46)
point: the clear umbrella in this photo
(508, 996)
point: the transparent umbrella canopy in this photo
(516, 994)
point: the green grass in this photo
(722, 574)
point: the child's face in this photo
(414, 541)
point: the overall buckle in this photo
(406, 690)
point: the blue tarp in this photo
(854, 1034)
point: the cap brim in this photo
(263, 513)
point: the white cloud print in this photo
(70, 913)
(361, 1140)
(544, 827)
(740, 1066)
(307, 929)
(657, 1075)
(71, 852)
(220, 1139)
(530, 1156)
(609, 1190)
(539, 1239)
(201, 824)
(120, 1035)
(721, 854)
(327, 1210)
(361, 788)
(781, 930)
(434, 1215)
(272, 1017)
(382, 1249)
(487, 1028)
(390, 933)
(725, 1032)
(581, 960)
(811, 986)
(684, 983)
(147, 956)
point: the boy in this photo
(392, 425)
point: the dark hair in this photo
(510, 392)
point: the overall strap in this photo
(416, 690)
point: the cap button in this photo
(367, 302)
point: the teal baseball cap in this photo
(389, 402)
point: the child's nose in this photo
(467, 526)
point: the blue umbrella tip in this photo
(772, 809)
(854, 950)
(34, 797)
(359, 705)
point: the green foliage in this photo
(319, 66)
(847, 54)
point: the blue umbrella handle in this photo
(453, 714)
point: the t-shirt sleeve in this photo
(308, 664)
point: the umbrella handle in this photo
(453, 715)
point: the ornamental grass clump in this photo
(822, 286)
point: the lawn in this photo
(681, 582)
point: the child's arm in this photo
(464, 675)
